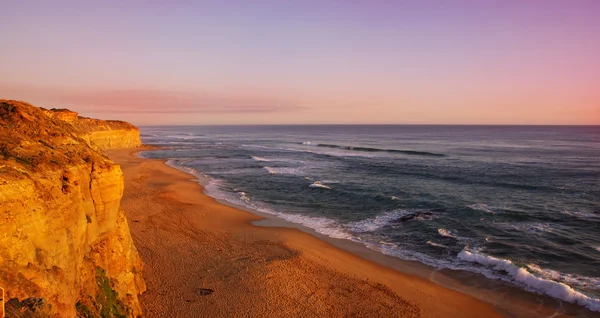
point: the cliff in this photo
(106, 134)
(65, 246)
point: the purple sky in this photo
(279, 62)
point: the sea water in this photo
(519, 204)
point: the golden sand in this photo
(205, 259)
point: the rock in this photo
(205, 291)
(414, 215)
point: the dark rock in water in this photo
(411, 216)
(205, 291)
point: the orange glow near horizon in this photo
(467, 62)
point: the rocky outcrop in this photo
(65, 246)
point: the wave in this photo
(176, 163)
(436, 244)
(321, 225)
(319, 184)
(244, 197)
(260, 158)
(283, 170)
(368, 149)
(482, 207)
(446, 233)
(322, 153)
(531, 282)
(582, 215)
(389, 218)
(572, 279)
(183, 137)
(527, 227)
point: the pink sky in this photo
(305, 62)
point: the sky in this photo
(306, 62)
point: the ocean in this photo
(520, 204)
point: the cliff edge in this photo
(65, 246)
(106, 134)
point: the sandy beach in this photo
(203, 258)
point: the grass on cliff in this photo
(107, 302)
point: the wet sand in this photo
(206, 259)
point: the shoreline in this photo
(507, 299)
(423, 291)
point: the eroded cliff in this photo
(106, 134)
(65, 246)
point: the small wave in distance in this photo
(319, 184)
(368, 149)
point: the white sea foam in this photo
(446, 233)
(283, 170)
(436, 244)
(307, 143)
(381, 220)
(571, 279)
(260, 158)
(175, 163)
(213, 189)
(324, 226)
(321, 225)
(319, 184)
(244, 197)
(582, 214)
(482, 207)
(332, 152)
(531, 282)
(597, 248)
(394, 198)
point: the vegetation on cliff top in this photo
(30, 141)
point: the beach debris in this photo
(205, 291)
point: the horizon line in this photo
(480, 125)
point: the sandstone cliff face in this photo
(65, 246)
(106, 134)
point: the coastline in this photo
(275, 264)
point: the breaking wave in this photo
(436, 244)
(319, 184)
(260, 159)
(530, 281)
(389, 218)
(283, 170)
(446, 233)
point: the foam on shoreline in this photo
(531, 282)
